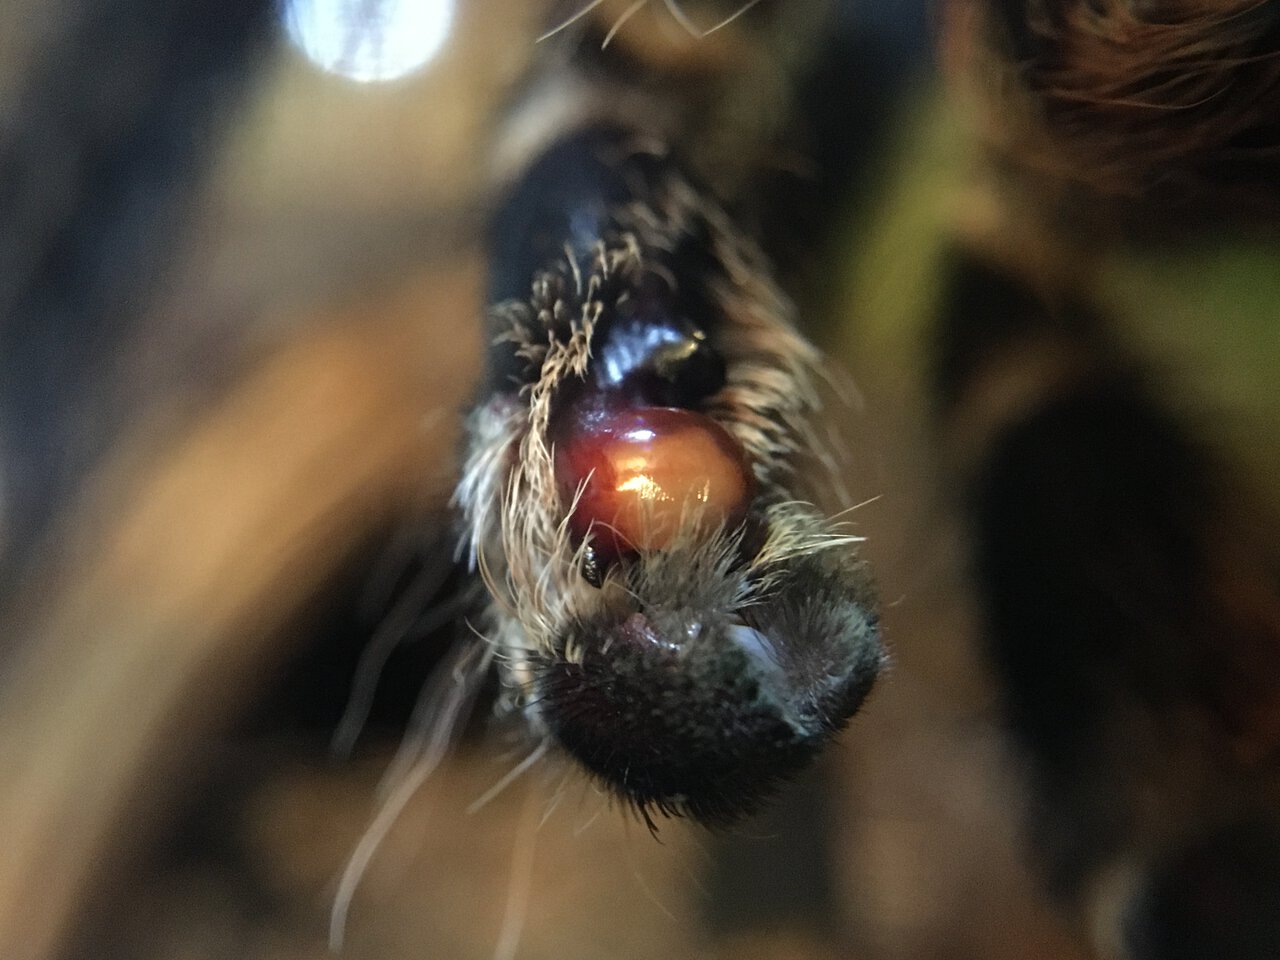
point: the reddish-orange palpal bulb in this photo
(648, 473)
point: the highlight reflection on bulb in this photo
(369, 40)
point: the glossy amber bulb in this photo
(652, 475)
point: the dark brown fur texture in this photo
(1172, 103)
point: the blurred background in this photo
(235, 389)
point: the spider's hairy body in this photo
(545, 614)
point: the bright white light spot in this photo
(369, 40)
(644, 487)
